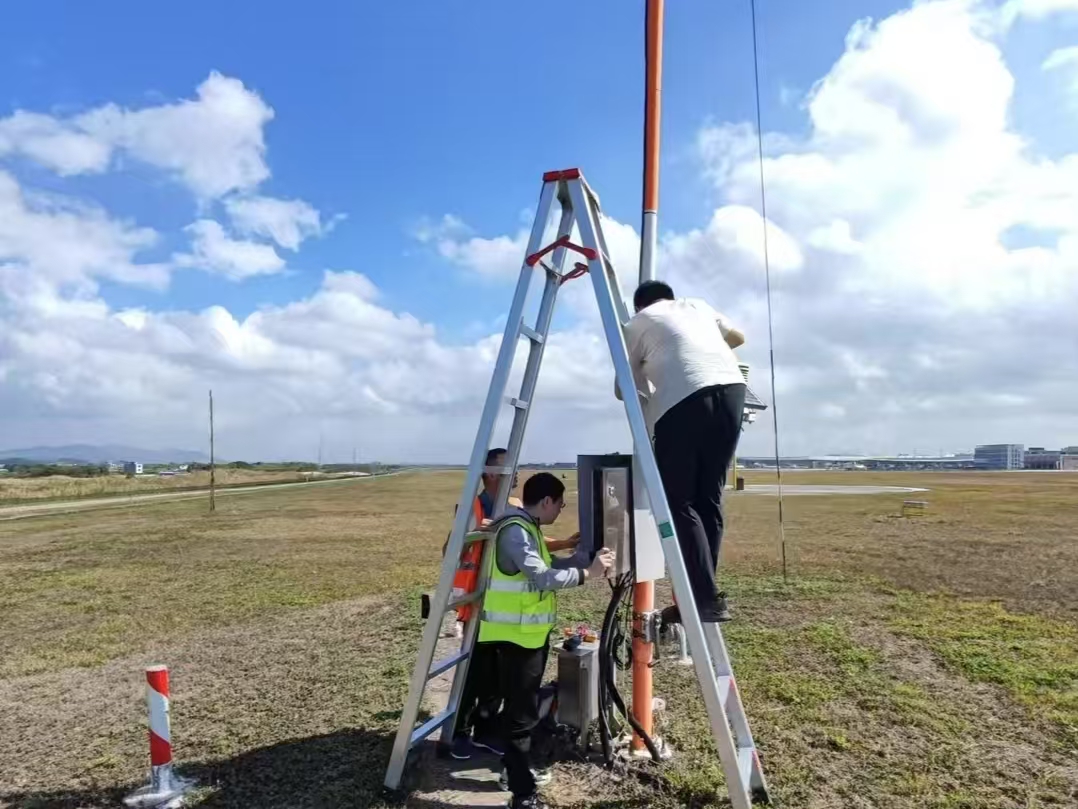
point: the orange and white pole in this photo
(644, 591)
(166, 789)
(653, 67)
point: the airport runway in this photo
(803, 489)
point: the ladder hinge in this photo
(589, 253)
(565, 174)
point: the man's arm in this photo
(578, 558)
(517, 552)
(555, 545)
(636, 362)
(733, 336)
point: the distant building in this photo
(859, 462)
(1000, 456)
(1070, 450)
(1041, 458)
(1068, 462)
(132, 468)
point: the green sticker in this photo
(665, 530)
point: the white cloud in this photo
(1061, 57)
(903, 319)
(287, 221)
(51, 240)
(1064, 60)
(836, 236)
(1035, 9)
(215, 252)
(908, 183)
(51, 143)
(497, 257)
(213, 144)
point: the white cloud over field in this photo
(924, 261)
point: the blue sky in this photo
(396, 111)
(913, 167)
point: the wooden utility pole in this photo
(213, 466)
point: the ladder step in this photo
(519, 404)
(442, 666)
(468, 598)
(476, 536)
(725, 682)
(745, 759)
(428, 727)
(532, 334)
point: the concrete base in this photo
(164, 792)
(666, 752)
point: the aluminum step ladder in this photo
(580, 211)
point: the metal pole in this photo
(653, 62)
(213, 467)
(644, 591)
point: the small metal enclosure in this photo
(605, 502)
(578, 687)
(614, 511)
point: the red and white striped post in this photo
(166, 789)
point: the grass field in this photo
(60, 487)
(926, 662)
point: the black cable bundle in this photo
(608, 689)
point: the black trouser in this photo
(479, 702)
(520, 675)
(695, 441)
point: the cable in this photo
(608, 689)
(767, 277)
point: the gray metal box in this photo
(578, 685)
(605, 504)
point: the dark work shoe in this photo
(530, 802)
(717, 615)
(722, 611)
(462, 748)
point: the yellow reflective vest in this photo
(513, 609)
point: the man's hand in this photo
(602, 564)
(555, 545)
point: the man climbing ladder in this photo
(681, 353)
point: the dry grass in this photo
(60, 487)
(930, 662)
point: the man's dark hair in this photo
(492, 455)
(651, 291)
(542, 485)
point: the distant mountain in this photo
(87, 453)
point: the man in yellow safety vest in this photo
(519, 612)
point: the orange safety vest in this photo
(467, 575)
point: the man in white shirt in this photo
(681, 353)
